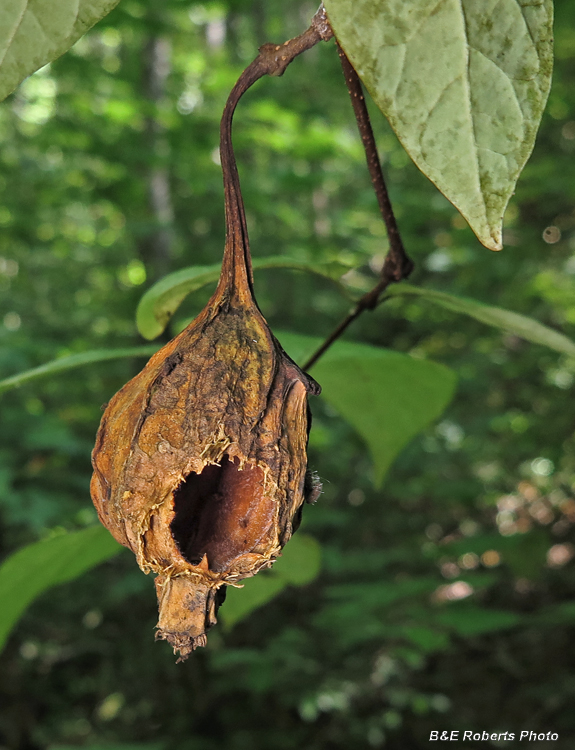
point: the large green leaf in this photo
(31, 570)
(511, 322)
(34, 32)
(162, 300)
(74, 360)
(387, 396)
(299, 564)
(462, 82)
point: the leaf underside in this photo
(463, 83)
(506, 320)
(35, 32)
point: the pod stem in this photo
(272, 60)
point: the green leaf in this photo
(162, 300)
(463, 83)
(359, 597)
(299, 565)
(300, 562)
(74, 360)
(255, 592)
(34, 32)
(511, 322)
(426, 639)
(31, 570)
(469, 620)
(387, 396)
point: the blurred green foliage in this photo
(444, 599)
(37, 567)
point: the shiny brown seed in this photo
(200, 460)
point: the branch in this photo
(397, 264)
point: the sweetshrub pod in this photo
(200, 460)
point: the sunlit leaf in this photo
(162, 300)
(34, 32)
(511, 322)
(387, 396)
(33, 569)
(462, 83)
(74, 360)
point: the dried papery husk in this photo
(200, 460)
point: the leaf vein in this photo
(11, 39)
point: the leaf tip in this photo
(493, 240)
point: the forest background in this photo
(443, 599)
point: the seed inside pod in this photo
(200, 460)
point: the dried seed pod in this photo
(200, 460)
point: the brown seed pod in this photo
(200, 460)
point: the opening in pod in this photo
(221, 512)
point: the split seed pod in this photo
(200, 460)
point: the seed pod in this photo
(200, 460)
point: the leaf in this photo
(426, 639)
(298, 565)
(469, 620)
(463, 83)
(511, 322)
(74, 360)
(31, 570)
(361, 611)
(162, 300)
(300, 561)
(361, 597)
(255, 592)
(387, 396)
(35, 32)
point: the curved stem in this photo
(272, 59)
(236, 267)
